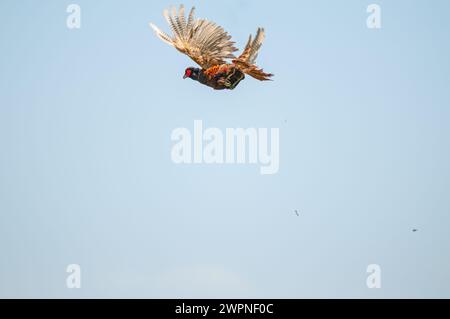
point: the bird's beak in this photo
(184, 76)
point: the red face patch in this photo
(188, 73)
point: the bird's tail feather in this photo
(252, 70)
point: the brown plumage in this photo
(210, 46)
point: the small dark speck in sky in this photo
(414, 230)
(296, 211)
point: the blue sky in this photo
(86, 176)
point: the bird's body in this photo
(220, 77)
(209, 46)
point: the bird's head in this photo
(191, 73)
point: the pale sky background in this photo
(86, 176)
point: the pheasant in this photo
(210, 47)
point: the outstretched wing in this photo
(251, 50)
(203, 41)
(246, 61)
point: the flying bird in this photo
(210, 46)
